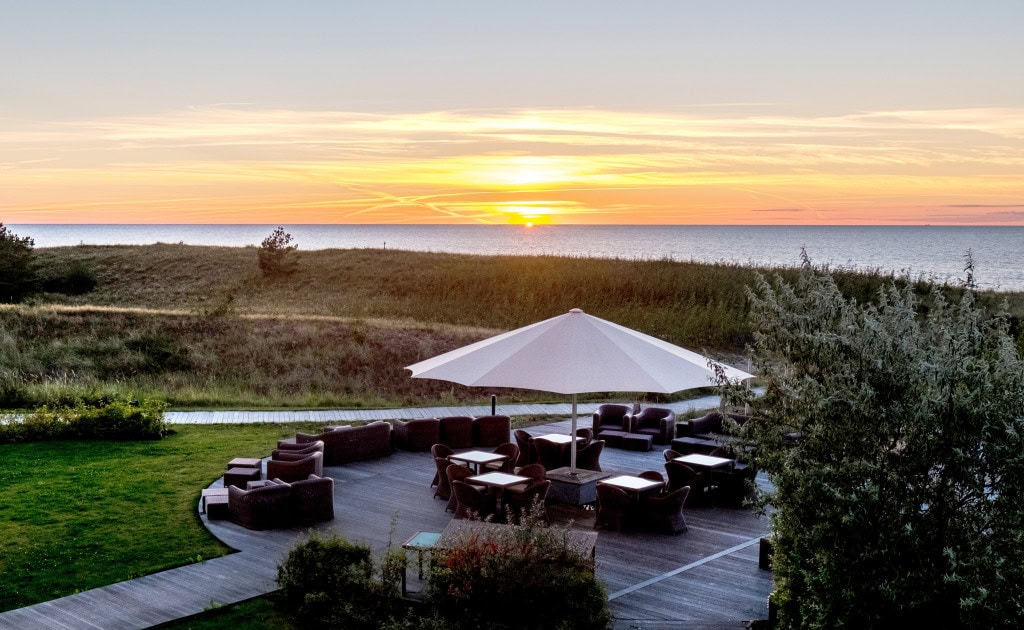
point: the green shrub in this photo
(523, 577)
(329, 582)
(17, 272)
(72, 277)
(276, 255)
(108, 420)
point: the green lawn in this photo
(254, 614)
(81, 514)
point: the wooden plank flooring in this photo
(655, 581)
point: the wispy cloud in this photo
(239, 164)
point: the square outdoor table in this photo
(632, 484)
(705, 462)
(476, 459)
(557, 438)
(419, 542)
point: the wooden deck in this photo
(705, 577)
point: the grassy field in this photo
(200, 327)
(78, 515)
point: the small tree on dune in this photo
(17, 272)
(276, 255)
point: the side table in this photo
(419, 542)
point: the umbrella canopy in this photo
(573, 354)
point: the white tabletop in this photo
(478, 457)
(557, 438)
(706, 461)
(628, 482)
(501, 480)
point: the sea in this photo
(931, 252)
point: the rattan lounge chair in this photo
(311, 464)
(611, 417)
(268, 507)
(491, 430)
(655, 421)
(457, 431)
(416, 435)
(313, 499)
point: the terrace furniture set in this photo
(452, 431)
(344, 444)
(642, 501)
(704, 434)
(553, 450)
(619, 428)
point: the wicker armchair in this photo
(653, 475)
(611, 417)
(455, 472)
(586, 434)
(472, 501)
(614, 507)
(519, 503)
(439, 450)
(524, 441)
(551, 455)
(665, 512)
(507, 465)
(589, 457)
(491, 430)
(443, 489)
(313, 499)
(268, 507)
(655, 421)
(295, 470)
(457, 431)
(416, 435)
(680, 475)
(670, 454)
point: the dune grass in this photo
(201, 327)
(76, 515)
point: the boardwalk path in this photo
(707, 576)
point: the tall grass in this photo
(338, 331)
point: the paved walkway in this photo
(347, 415)
(191, 589)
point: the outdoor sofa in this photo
(352, 443)
(280, 504)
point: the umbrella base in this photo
(575, 489)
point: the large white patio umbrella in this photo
(575, 353)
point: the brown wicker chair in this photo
(665, 512)
(439, 450)
(519, 503)
(506, 465)
(313, 499)
(586, 434)
(457, 431)
(415, 435)
(732, 486)
(551, 455)
(589, 457)
(443, 489)
(455, 472)
(670, 454)
(289, 471)
(472, 501)
(655, 421)
(611, 417)
(297, 449)
(653, 475)
(527, 454)
(680, 475)
(614, 507)
(268, 507)
(491, 430)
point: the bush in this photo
(524, 577)
(329, 582)
(276, 255)
(895, 443)
(108, 420)
(17, 274)
(70, 278)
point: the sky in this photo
(561, 112)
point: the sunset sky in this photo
(475, 112)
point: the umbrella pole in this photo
(572, 443)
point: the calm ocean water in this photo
(935, 252)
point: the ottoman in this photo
(637, 442)
(241, 476)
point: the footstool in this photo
(612, 438)
(241, 476)
(245, 462)
(217, 508)
(637, 442)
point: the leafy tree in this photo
(17, 272)
(894, 438)
(276, 255)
